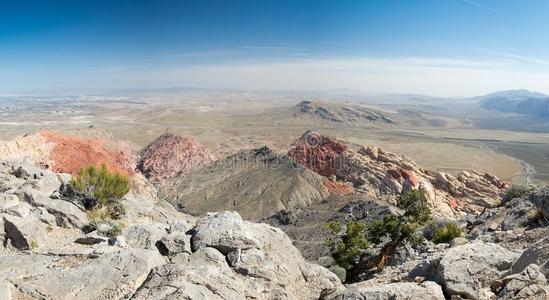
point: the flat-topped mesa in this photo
(375, 172)
(170, 155)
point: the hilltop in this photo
(169, 156)
(257, 183)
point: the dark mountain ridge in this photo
(519, 101)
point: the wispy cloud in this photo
(453, 76)
(482, 73)
(483, 6)
(242, 50)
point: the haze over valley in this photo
(441, 133)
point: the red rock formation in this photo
(317, 152)
(171, 155)
(375, 172)
(411, 177)
(71, 153)
(338, 188)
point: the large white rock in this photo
(144, 235)
(67, 214)
(427, 290)
(5, 290)
(23, 233)
(111, 276)
(16, 266)
(236, 259)
(465, 270)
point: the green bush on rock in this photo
(446, 233)
(349, 242)
(104, 190)
(101, 184)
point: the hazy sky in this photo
(436, 47)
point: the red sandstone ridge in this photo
(317, 152)
(71, 153)
(170, 155)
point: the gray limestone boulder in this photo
(236, 259)
(537, 253)
(528, 284)
(466, 270)
(426, 290)
(23, 233)
(111, 276)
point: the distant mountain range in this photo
(517, 101)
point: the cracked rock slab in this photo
(111, 276)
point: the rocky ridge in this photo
(341, 114)
(257, 183)
(375, 172)
(162, 253)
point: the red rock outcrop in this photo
(375, 172)
(338, 188)
(317, 152)
(70, 153)
(171, 155)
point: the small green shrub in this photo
(100, 183)
(516, 191)
(106, 189)
(99, 213)
(446, 233)
(379, 229)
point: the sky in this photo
(435, 47)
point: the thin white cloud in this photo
(483, 6)
(444, 76)
(432, 76)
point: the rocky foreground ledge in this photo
(162, 253)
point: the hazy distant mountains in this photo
(518, 101)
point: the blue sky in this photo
(438, 47)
